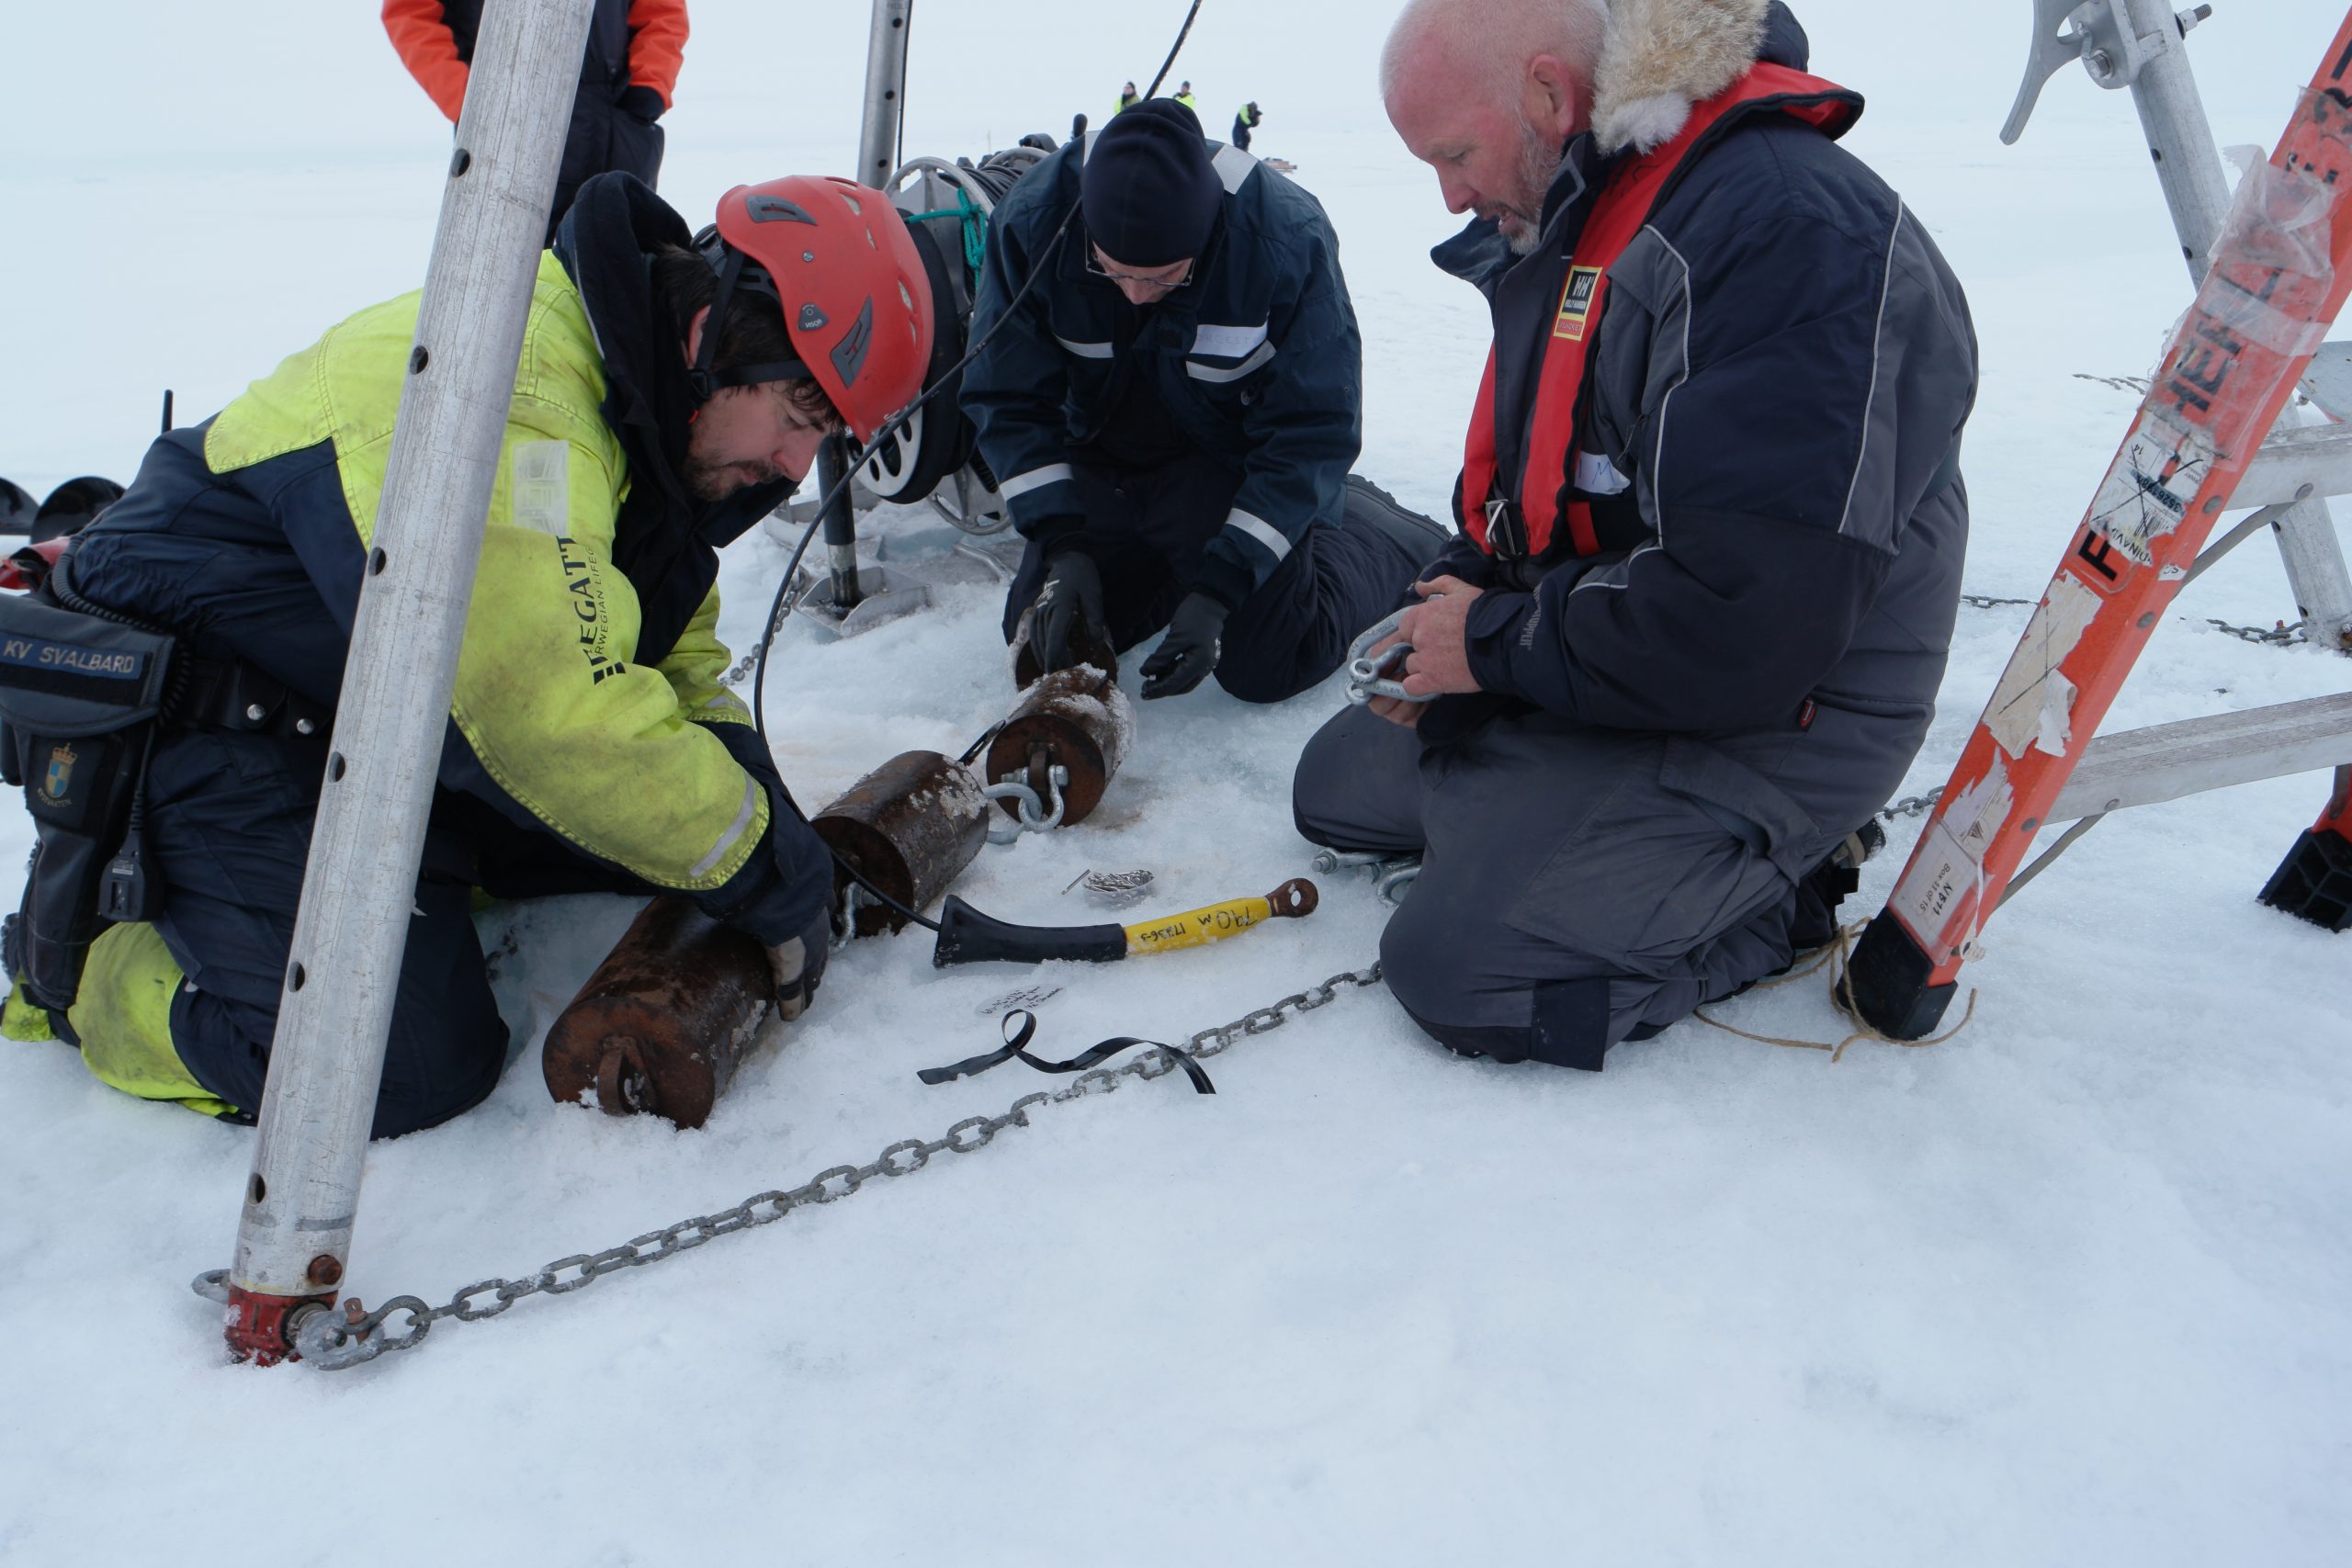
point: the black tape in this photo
(1092, 1055)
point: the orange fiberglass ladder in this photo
(2279, 271)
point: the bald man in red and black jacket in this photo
(634, 47)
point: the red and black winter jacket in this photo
(631, 43)
(1763, 447)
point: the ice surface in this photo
(2074, 1288)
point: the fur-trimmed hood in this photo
(1659, 57)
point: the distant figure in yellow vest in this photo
(1184, 97)
(1128, 98)
(1246, 120)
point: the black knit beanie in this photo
(1149, 192)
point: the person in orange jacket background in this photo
(634, 47)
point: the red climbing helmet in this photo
(836, 258)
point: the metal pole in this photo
(2180, 140)
(886, 70)
(841, 522)
(359, 887)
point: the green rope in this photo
(974, 227)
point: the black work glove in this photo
(641, 103)
(1071, 597)
(799, 964)
(1188, 652)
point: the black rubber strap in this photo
(1093, 1054)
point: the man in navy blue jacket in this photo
(1170, 412)
(1691, 640)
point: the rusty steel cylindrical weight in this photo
(661, 1026)
(910, 826)
(1078, 718)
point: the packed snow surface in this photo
(2074, 1287)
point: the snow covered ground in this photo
(2074, 1287)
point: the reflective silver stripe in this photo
(1085, 350)
(1036, 478)
(1233, 166)
(1200, 372)
(1228, 343)
(1869, 398)
(728, 839)
(1260, 530)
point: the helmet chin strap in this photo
(703, 381)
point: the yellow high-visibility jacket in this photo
(628, 753)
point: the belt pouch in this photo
(80, 698)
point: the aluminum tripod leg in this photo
(358, 889)
(2180, 144)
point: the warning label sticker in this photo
(1940, 883)
(2034, 704)
(2147, 492)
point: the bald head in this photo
(1488, 92)
(1485, 44)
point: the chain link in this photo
(330, 1341)
(1913, 804)
(2281, 636)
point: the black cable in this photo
(776, 609)
(1181, 34)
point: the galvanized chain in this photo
(1913, 804)
(2279, 636)
(332, 1342)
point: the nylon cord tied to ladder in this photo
(1016, 1039)
(1841, 951)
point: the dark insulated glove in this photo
(799, 964)
(1187, 654)
(1071, 597)
(641, 103)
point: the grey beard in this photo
(1539, 165)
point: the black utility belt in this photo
(80, 699)
(83, 695)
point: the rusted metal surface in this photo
(910, 825)
(661, 1026)
(1077, 718)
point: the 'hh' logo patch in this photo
(1575, 303)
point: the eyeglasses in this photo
(1158, 285)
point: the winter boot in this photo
(1827, 884)
(1372, 507)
